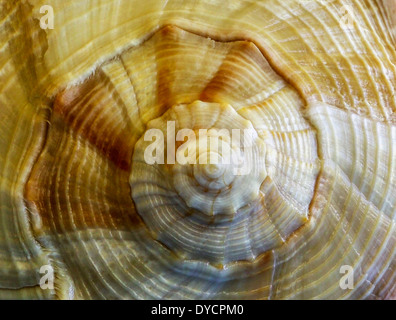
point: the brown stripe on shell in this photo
(92, 111)
(244, 73)
(73, 184)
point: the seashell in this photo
(306, 87)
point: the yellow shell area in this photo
(77, 194)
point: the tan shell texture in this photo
(310, 85)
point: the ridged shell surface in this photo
(308, 87)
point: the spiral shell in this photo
(197, 150)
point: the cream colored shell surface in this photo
(310, 83)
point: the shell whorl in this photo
(310, 183)
(225, 216)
